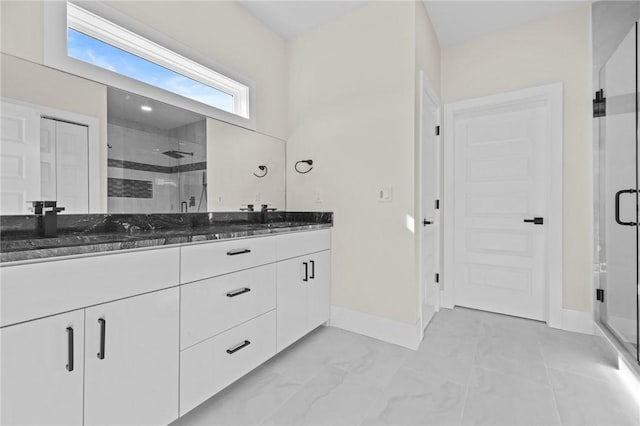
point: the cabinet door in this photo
(42, 371)
(131, 360)
(319, 289)
(291, 301)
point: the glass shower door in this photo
(618, 136)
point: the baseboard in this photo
(576, 321)
(390, 331)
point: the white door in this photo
(48, 159)
(131, 360)
(430, 187)
(42, 371)
(72, 167)
(19, 158)
(502, 156)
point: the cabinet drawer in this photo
(209, 367)
(211, 306)
(301, 243)
(211, 259)
(39, 289)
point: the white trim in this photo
(576, 321)
(426, 88)
(97, 192)
(395, 332)
(552, 94)
(55, 55)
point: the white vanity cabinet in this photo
(304, 295)
(144, 336)
(135, 295)
(42, 371)
(131, 360)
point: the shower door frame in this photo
(600, 276)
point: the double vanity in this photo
(138, 319)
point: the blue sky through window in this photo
(88, 49)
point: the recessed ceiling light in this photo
(146, 108)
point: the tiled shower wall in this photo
(135, 153)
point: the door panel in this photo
(319, 289)
(291, 301)
(19, 158)
(133, 378)
(618, 172)
(500, 181)
(430, 222)
(48, 159)
(38, 387)
(72, 167)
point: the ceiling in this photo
(290, 18)
(454, 21)
(125, 106)
(458, 21)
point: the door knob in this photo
(426, 222)
(535, 221)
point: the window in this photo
(104, 45)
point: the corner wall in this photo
(554, 49)
(351, 109)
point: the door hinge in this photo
(600, 294)
(437, 130)
(599, 104)
(436, 204)
(437, 277)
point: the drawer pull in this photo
(69, 349)
(103, 332)
(238, 292)
(238, 347)
(306, 271)
(236, 252)
(313, 269)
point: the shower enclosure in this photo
(157, 160)
(617, 219)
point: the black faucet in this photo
(47, 213)
(264, 208)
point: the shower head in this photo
(177, 154)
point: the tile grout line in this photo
(546, 370)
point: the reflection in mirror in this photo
(157, 160)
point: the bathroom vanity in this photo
(144, 326)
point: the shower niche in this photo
(157, 156)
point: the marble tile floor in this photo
(472, 367)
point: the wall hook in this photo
(264, 169)
(307, 162)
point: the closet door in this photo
(72, 167)
(19, 158)
(48, 159)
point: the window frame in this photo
(123, 32)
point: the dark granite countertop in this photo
(84, 234)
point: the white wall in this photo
(351, 110)
(233, 156)
(553, 49)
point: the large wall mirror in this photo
(97, 149)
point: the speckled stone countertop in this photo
(94, 233)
